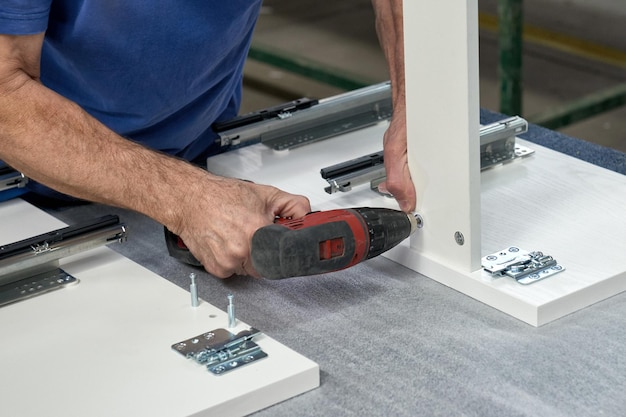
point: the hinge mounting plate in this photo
(524, 266)
(222, 351)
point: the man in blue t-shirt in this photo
(107, 101)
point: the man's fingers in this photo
(290, 206)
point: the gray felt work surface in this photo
(390, 342)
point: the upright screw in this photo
(193, 289)
(232, 322)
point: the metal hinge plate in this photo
(524, 266)
(222, 351)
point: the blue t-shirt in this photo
(157, 72)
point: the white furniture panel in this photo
(551, 202)
(102, 346)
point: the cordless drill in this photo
(326, 241)
(320, 242)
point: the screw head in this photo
(419, 220)
(459, 238)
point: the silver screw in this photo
(460, 239)
(232, 322)
(193, 289)
(419, 220)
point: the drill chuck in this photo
(327, 241)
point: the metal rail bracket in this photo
(497, 147)
(30, 267)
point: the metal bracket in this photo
(30, 267)
(524, 266)
(222, 351)
(35, 285)
(497, 142)
(342, 176)
(10, 178)
(306, 121)
(497, 147)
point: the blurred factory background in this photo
(573, 59)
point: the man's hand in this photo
(218, 221)
(398, 182)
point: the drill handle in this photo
(178, 250)
(281, 252)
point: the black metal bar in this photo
(307, 68)
(510, 28)
(583, 108)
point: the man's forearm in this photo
(55, 142)
(389, 27)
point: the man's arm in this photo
(55, 142)
(389, 27)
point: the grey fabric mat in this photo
(390, 342)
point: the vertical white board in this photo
(442, 100)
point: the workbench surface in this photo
(390, 342)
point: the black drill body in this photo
(327, 241)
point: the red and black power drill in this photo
(320, 242)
